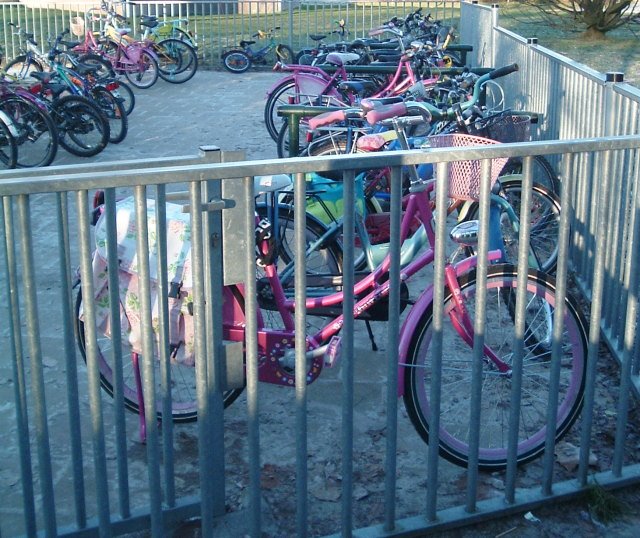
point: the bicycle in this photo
(135, 59)
(31, 127)
(276, 342)
(239, 60)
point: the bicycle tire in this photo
(177, 61)
(83, 129)
(105, 69)
(125, 95)
(282, 144)
(22, 66)
(456, 372)
(147, 72)
(543, 172)
(113, 111)
(8, 148)
(285, 54)
(545, 223)
(236, 61)
(183, 387)
(33, 130)
(286, 93)
(326, 260)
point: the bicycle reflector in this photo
(114, 85)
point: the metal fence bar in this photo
(73, 398)
(93, 371)
(18, 364)
(300, 298)
(36, 366)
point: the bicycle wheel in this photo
(21, 67)
(325, 259)
(125, 95)
(543, 172)
(113, 111)
(33, 130)
(282, 144)
(496, 402)
(105, 69)
(285, 53)
(177, 61)
(236, 61)
(544, 218)
(308, 91)
(82, 128)
(183, 382)
(145, 74)
(8, 148)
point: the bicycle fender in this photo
(407, 330)
(420, 307)
(305, 83)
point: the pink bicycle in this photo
(135, 59)
(423, 366)
(311, 85)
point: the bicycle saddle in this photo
(342, 58)
(317, 37)
(244, 43)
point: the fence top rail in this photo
(70, 179)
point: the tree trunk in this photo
(593, 34)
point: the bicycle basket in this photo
(77, 26)
(506, 128)
(464, 176)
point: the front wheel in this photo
(236, 61)
(21, 67)
(145, 73)
(544, 217)
(497, 402)
(285, 53)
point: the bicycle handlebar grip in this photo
(504, 71)
(326, 118)
(385, 112)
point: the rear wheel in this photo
(145, 74)
(184, 405)
(285, 53)
(236, 61)
(177, 61)
(82, 128)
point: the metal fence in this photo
(219, 24)
(82, 469)
(575, 102)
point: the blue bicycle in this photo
(239, 60)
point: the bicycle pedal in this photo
(333, 352)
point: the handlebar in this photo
(433, 113)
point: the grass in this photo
(604, 506)
(618, 52)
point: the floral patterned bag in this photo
(180, 301)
